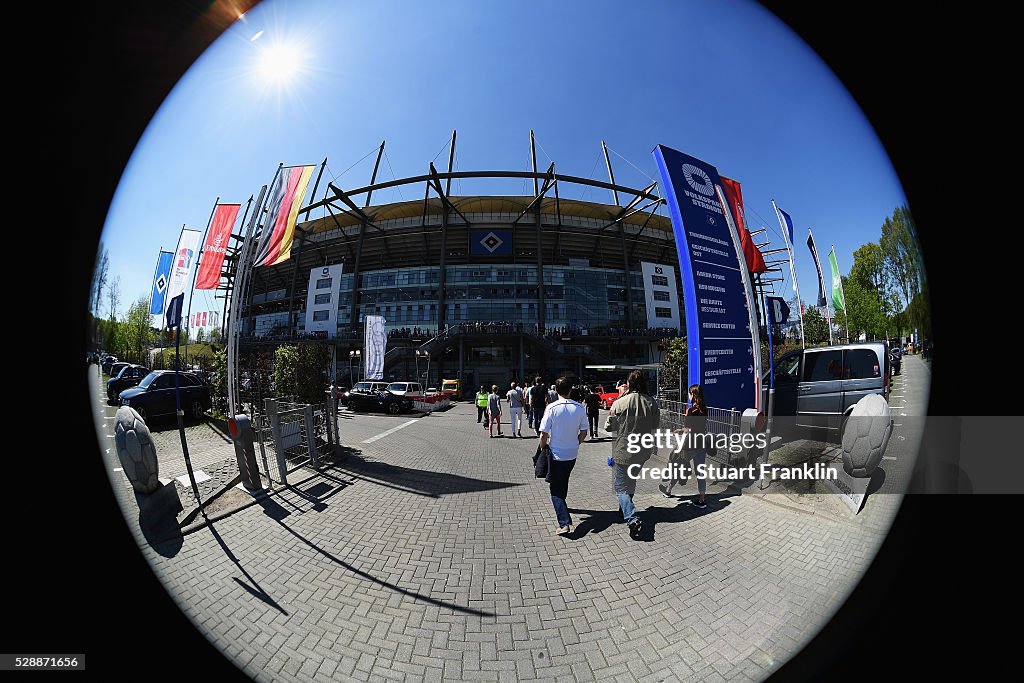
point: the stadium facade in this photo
(490, 289)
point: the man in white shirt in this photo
(563, 427)
(515, 407)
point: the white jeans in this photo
(517, 419)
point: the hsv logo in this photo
(184, 258)
(659, 270)
(490, 242)
(698, 180)
(325, 272)
(161, 283)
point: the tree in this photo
(215, 335)
(114, 296)
(674, 361)
(902, 256)
(99, 281)
(200, 335)
(815, 326)
(869, 269)
(219, 381)
(137, 331)
(301, 371)
(866, 313)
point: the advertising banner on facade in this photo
(374, 347)
(721, 353)
(322, 300)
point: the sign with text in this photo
(719, 341)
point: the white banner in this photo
(322, 300)
(660, 295)
(183, 263)
(374, 347)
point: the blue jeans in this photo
(624, 487)
(697, 457)
(559, 486)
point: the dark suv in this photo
(154, 396)
(129, 376)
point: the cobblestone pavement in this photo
(429, 553)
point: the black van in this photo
(820, 385)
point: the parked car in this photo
(403, 388)
(116, 368)
(154, 396)
(106, 362)
(820, 385)
(379, 401)
(607, 398)
(895, 358)
(365, 387)
(129, 376)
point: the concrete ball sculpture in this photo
(135, 450)
(866, 435)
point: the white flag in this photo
(183, 263)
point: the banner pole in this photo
(792, 271)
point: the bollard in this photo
(240, 428)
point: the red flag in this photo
(216, 245)
(204, 319)
(751, 254)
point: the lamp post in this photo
(352, 355)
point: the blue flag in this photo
(174, 307)
(778, 310)
(160, 282)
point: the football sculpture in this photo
(135, 450)
(866, 435)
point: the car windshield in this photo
(122, 371)
(148, 379)
(361, 386)
(397, 386)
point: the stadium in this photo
(487, 288)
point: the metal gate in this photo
(294, 435)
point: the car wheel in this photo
(142, 413)
(197, 410)
(394, 408)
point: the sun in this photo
(280, 62)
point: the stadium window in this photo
(321, 315)
(660, 295)
(659, 280)
(322, 299)
(324, 283)
(662, 312)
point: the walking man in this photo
(593, 403)
(481, 406)
(494, 410)
(538, 401)
(563, 428)
(515, 409)
(632, 413)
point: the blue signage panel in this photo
(718, 336)
(487, 242)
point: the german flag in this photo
(283, 208)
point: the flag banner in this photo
(374, 347)
(216, 245)
(817, 264)
(174, 307)
(286, 197)
(751, 254)
(203, 323)
(160, 282)
(719, 339)
(778, 310)
(838, 299)
(789, 226)
(184, 260)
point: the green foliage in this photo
(673, 361)
(301, 371)
(137, 333)
(219, 381)
(902, 258)
(815, 326)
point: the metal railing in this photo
(721, 421)
(296, 434)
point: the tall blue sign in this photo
(718, 336)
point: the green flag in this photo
(838, 300)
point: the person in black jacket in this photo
(593, 403)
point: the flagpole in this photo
(156, 269)
(846, 305)
(792, 271)
(195, 270)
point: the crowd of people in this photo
(564, 414)
(410, 333)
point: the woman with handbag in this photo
(693, 454)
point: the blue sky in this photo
(726, 82)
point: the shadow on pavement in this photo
(599, 520)
(163, 535)
(253, 588)
(421, 482)
(274, 514)
(877, 479)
